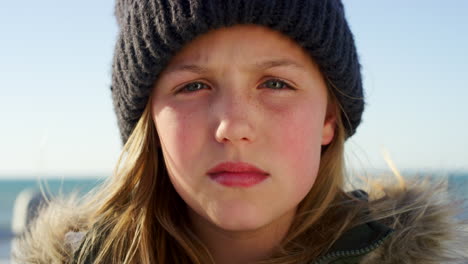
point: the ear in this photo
(329, 125)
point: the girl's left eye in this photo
(192, 87)
(276, 84)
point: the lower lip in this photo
(238, 179)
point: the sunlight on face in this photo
(244, 93)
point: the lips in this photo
(237, 174)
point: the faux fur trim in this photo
(47, 241)
(428, 229)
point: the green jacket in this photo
(356, 243)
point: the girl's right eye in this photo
(192, 87)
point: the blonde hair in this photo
(138, 217)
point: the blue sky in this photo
(56, 108)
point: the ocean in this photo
(9, 190)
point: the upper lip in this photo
(235, 167)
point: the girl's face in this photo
(242, 94)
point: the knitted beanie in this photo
(153, 31)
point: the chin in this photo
(239, 219)
(239, 226)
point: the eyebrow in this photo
(277, 63)
(263, 65)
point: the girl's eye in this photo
(192, 87)
(276, 84)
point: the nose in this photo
(235, 119)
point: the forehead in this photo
(242, 44)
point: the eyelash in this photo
(286, 86)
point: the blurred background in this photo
(58, 125)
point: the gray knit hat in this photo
(153, 31)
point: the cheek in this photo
(298, 144)
(180, 134)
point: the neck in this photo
(245, 246)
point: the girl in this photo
(233, 116)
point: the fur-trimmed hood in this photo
(427, 225)
(423, 217)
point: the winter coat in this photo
(425, 231)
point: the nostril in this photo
(234, 131)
